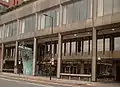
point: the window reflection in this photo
(107, 7)
(117, 44)
(100, 44)
(107, 44)
(85, 48)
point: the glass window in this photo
(22, 26)
(117, 43)
(100, 44)
(79, 46)
(64, 15)
(100, 8)
(76, 11)
(107, 6)
(58, 19)
(73, 47)
(69, 13)
(89, 8)
(63, 47)
(52, 48)
(85, 48)
(116, 6)
(11, 29)
(68, 48)
(107, 44)
(90, 45)
(39, 21)
(27, 24)
(1, 31)
(42, 21)
(57, 48)
(83, 9)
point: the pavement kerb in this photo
(36, 81)
(45, 80)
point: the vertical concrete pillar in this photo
(16, 57)
(94, 54)
(82, 68)
(2, 57)
(59, 55)
(34, 56)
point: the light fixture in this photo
(88, 32)
(75, 35)
(113, 29)
(99, 58)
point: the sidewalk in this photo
(63, 82)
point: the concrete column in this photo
(59, 55)
(94, 54)
(2, 57)
(34, 56)
(82, 68)
(16, 58)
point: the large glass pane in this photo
(68, 48)
(69, 13)
(39, 21)
(89, 9)
(47, 20)
(117, 44)
(22, 26)
(42, 21)
(100, 8)
(64, 15)
(58, 17)
(90, 45)
(107, 6)
(85, 47)
(63, 48)
(79, 46)
(83, 9)
(100, 44)
(76, 11)
(116, 6)
(107, 44)
(0, 31)
(73, 47)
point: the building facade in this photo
(3, 5)
(83, 37)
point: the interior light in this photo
(113, 29)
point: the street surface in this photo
(16, 83)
